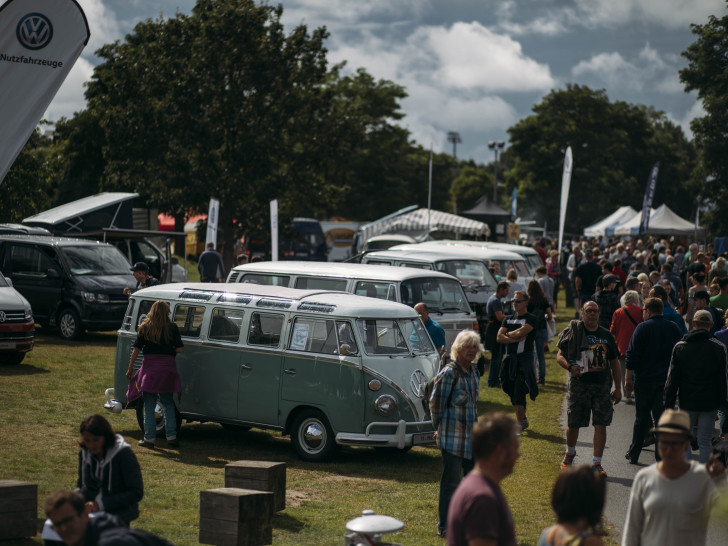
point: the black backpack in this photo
(430, 386)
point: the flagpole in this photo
(429, 196)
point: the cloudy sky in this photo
(472, 66)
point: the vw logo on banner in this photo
(3, 316)
(418, 380)
(34, 31)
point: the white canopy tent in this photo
(663, 221)
(424, 220)
(619, 216)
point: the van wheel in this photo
(158, 418)
(69, 325)
(312, 436)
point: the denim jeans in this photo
(453, 469)
(540, 340)
(647, 399)
(705, 420)
(166, 399)
(496, 356)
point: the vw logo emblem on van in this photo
(34, 31)
(3, 316)
(418, 380)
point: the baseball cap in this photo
(703, 318)
(140, 266)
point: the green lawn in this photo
(43, 401)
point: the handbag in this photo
(133, 392)
(551, 328)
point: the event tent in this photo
(663, 221)
(619, 216)
(424, 220)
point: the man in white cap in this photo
(671, 500)
(698, 375)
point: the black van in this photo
(74, 284)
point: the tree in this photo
(614, 147)
(471, 184)
(706, 74)
(25, 190)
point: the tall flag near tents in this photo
(40, 41)
(212, 215)
(514, 202)
(565, 185)
(647, 199)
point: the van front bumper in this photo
(399, 437)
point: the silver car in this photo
(17, 328)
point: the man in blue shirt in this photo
(433, 328)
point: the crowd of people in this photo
(649, 325)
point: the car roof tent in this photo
(109, 210)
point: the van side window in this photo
(188, 319)
(262, 278)
(265, 330)
(144, 307)
(347, 343)
(416, 265)
(28, 260)
(321, 283)
(314, 336)
(382, 337)
(126, 325)
(225, 325)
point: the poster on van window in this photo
(40, 41)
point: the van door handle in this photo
(246, 366)
(290, 371)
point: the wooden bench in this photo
(18, 509)
(235, 517)
(260, 476)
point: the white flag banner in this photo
(274, 229)
(565, 185)
(40, 41)
(212, 214)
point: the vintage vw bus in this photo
(442, 293)
(327, 368)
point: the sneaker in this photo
(145, 443)
(630, 459)
(524, 423)
(598, 468)
(442, 532)
(568, 460)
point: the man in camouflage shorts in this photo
(589, 353)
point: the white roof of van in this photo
(432, 250)
(346, 304)
(518, 249)
(341, 270)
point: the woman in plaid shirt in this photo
(453, 406)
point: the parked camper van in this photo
(327, 368)
(442, 293)
(530, 256)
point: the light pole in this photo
(495, 146)
(454, 137)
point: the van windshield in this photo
(440, 295)
(470, 273)
(391, 337)
(95, 260)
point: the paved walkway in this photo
(621, 473)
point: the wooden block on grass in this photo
(261, 476)
(18, 509)
(232, 516)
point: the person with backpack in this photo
(454, 411)
(624, 321)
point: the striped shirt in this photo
(455, 420)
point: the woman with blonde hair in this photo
(159, 340)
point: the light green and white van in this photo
(442, 293)
(327, 368)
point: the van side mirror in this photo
(53, 274)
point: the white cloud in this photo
(695, 111)
(648, 70)
(102, 22)
(668, 13)
(471, 56)
(69, 98)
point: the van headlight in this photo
(90, 297)
(28, 316)
(385, 405)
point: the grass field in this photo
(43, 401)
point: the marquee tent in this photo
(663, 221)
(424, 220)
(619, 216)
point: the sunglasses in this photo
(520, 301)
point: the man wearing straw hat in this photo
(671, 500)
